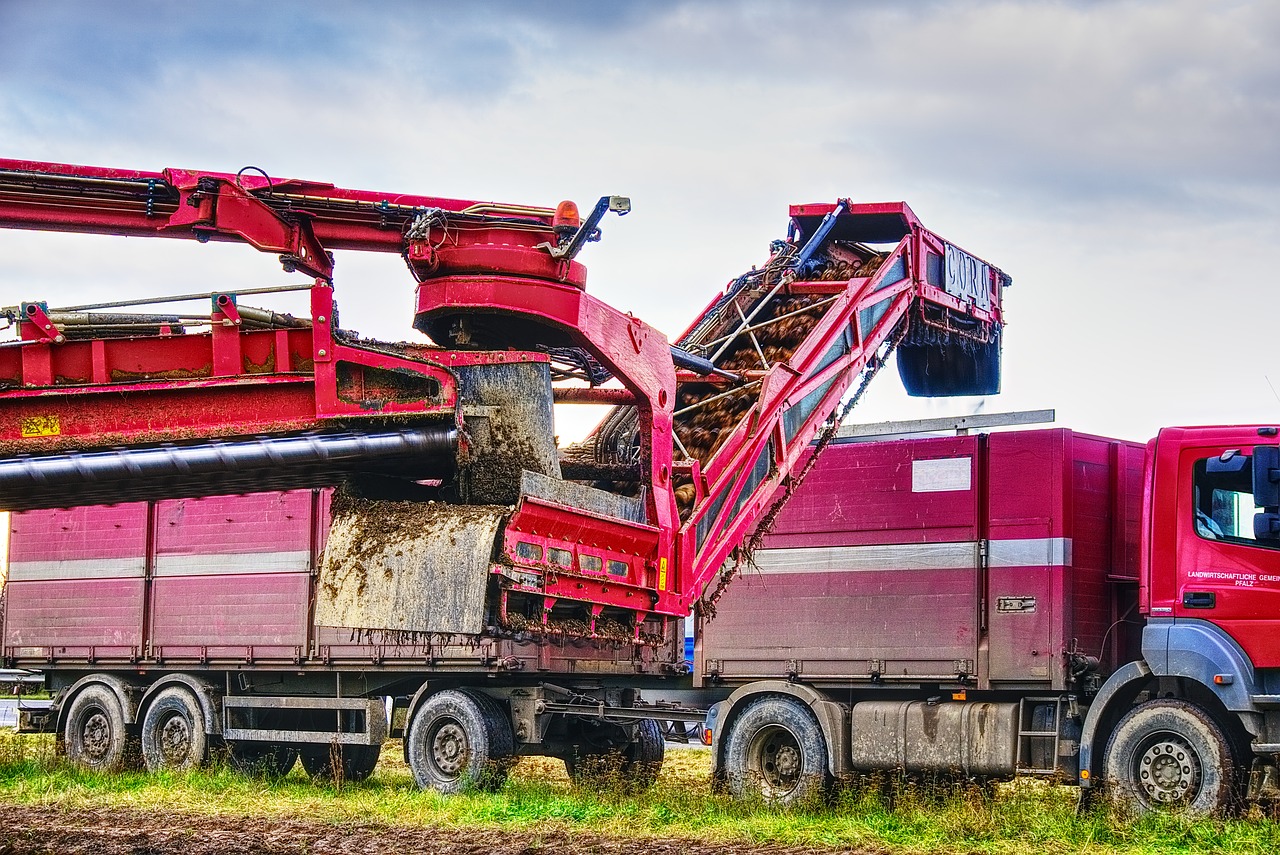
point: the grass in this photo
(1026, 817)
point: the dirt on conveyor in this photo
(101, 831)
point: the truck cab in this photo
(1206, 688)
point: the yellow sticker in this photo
(662, 574)
(41, 426)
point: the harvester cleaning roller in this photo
(217, 467)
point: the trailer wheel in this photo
(262, 759)
(173, 732)
(1170, 754)
(95, 734)
(460, 739)
(328, 763)
(610, 755)
(775, 751)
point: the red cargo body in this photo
(226, 582)
(985, 559)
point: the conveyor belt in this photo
(218, 467)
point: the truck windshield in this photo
(1224, 506)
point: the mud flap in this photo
(407, 566)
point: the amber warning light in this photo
(567, 218)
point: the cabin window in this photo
(1222, 495)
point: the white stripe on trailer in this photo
(1025, 552)
(226, 564)
(843, 559)
(231, 564)
(1030, 552)
(77, 568)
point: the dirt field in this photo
(49, 830)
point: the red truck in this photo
(1038, 602)
(244, 528)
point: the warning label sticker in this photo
(33, 426)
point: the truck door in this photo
(1226, 574)
(1026, 552)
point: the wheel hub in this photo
(1169, 771)
(175, 740)
(96, 736)
(780, 762)
(449, 749)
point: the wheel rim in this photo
(449, 749)
(776, 758)
(95, 736)
(1168, 770)
(175, 740)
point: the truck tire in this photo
(458, 740)
(775, 751)
(355, 763)
(633, 764)
(1171, 754)
(95, 734)
(173, 732)
(262, 759)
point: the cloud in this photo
(1051, 105)
(1119, 159)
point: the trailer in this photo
(244, 530)
(1033, 602)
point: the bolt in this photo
(323, 352)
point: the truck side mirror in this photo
(1266, 526)
(1266, 476)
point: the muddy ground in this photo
(95, 831)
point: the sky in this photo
(1120, 160)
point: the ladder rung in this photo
(1035, 770)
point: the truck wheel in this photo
(1170, 754)
(262, 759)
(634, 764)
(173, 732)
(355, 763)
(95, 733)
(775, 751)
(460, 739)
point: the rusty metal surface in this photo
(407, 567)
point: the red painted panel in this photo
(255, 609)
(81, 612)
(223, 525)
(861, 493)
(79, 534)
(918, 621)
(1026, 477)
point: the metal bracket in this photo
(218, 206)
(37, 315)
